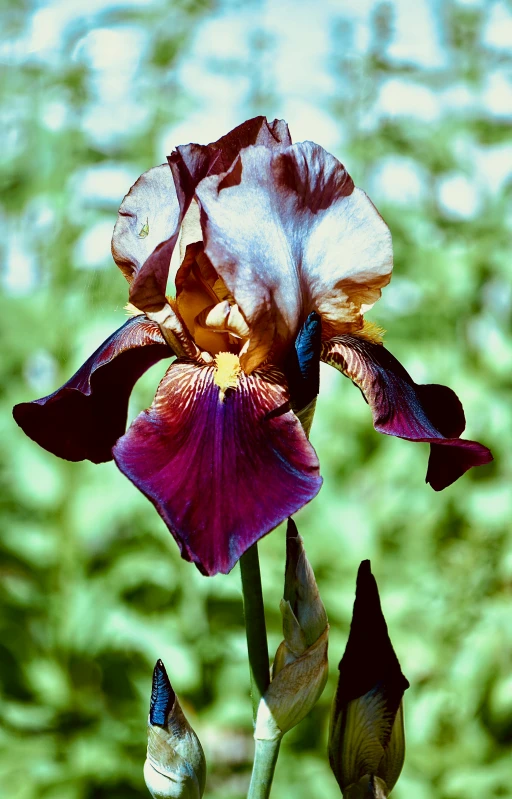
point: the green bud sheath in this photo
(299, 672)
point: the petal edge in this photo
(425, 413)
(83, 419)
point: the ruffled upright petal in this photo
(83, 419)
(145, 235)
(429, 413)
(305, 240)
(190, 163)
(222, 469)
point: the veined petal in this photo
(305, 240)
(400, 407)
(221, 472)
(145, 235)
(83, 419)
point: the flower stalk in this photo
(266, 752)
(265, 759)
(255, 628)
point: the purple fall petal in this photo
(83, 419)
(429, 413)
(221, 474)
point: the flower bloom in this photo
(258, 234)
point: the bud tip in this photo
(162, 695)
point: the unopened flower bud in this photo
(299, 672)
(175, 767)
(366, 739)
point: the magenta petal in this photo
(83, 419)
(429, 413)
(221, 474)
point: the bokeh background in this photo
(416, 99)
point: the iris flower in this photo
(261, 236)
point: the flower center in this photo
(227, 371)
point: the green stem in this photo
(254, 611)
(265, 758)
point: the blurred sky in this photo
(278, 55)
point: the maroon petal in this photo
(400, 407)
(190, 163)
(83, 419)
(305, 239)
(221, 474)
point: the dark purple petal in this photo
(83, 419)
(221, 474)
(430, 413)
(304, 240)
(190, 163)
(145, 235)
(369, 659)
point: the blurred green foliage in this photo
(93, 589)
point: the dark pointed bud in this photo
(303, 370)
(366, 739)
(175, 766)
(299, 671)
